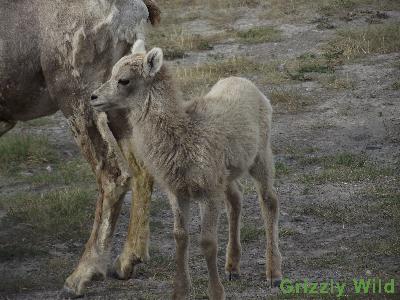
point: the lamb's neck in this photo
(165, 135)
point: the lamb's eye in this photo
(123, 81)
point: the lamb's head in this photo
(131, 81)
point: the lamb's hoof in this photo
(232, 276)
(277, 282)
(274, 283)
(68, 293)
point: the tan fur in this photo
(197, 151)
(52, 55)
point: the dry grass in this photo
(290, 99)
(259, 35)
(176, 41)
(353, 43)
(294, 10)
(198, 80)
(336, 82)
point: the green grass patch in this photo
(331, 161)
(281, 169)
(379, 38)
(18, 151)
(345, 167)
(260, 35)
(302, 67)
(39, 122)
(385, 203)
(21, 250)
(330, 211)
(396, 85)
(286, 232)
(348, 174)
(62, 214)
(250, 233)
(327, 261)
(76, 171)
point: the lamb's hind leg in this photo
(233, 249)
(263, 173)
(210, 209)
(100, 149)
(136, 247)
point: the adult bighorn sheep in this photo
(197, 150)
(52, 55)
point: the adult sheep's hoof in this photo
(122, 268)
(232, 276)
(68, 293)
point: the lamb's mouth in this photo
(102, 106)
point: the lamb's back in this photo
(238, 109)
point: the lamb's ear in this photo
(138, 47)
(153, 62)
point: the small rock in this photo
(373, 147)
(60, 246)
(261, 262)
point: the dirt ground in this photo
(336, 141)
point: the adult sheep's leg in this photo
(136, 247)
(6, 126)
(233, 249)
(263, 174)
(182, 281)
(210, 209)
(100, 149)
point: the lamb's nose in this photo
(93, 97)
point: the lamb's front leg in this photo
(210, 210)
(181, 209)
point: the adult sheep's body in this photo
(53, 53)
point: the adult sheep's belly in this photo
(23, 93)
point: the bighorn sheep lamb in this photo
(198, 150)
(53, 54)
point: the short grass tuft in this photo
(290, 99)
(379, 38)
(21, 150)
(260, 35)
(62, 213)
